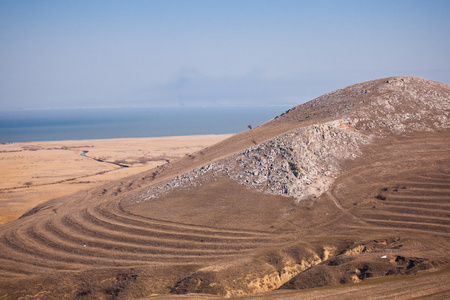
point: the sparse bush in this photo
(380, 197)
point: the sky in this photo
(63, 54)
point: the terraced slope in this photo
(396, 199)
(106, 236)
(350, 186)
(406, 185)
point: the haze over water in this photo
(65, 54)
(105, 123)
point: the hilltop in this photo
(351, 186)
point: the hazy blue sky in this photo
(191, 53)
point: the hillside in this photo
(352, 187)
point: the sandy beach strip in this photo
(34, 172)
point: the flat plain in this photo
(35, 172)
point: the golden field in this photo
(34, 172)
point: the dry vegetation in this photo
(36, 172)
(381, 229)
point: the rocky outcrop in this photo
(300, 164)
(265, 272)
(303, 163)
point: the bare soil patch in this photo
(222, 203)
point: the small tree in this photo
(249, 126)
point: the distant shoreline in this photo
(170, 137)
(89, 124)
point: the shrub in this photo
(380, 197)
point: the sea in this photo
(27, 125)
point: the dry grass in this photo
(387, 215)
(35, 172)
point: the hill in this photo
(352, 186)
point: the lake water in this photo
(106, 123)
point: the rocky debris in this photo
(301, 163)
(304, 163)
(377, 100)
(190, 179)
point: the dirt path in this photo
(341, 208)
